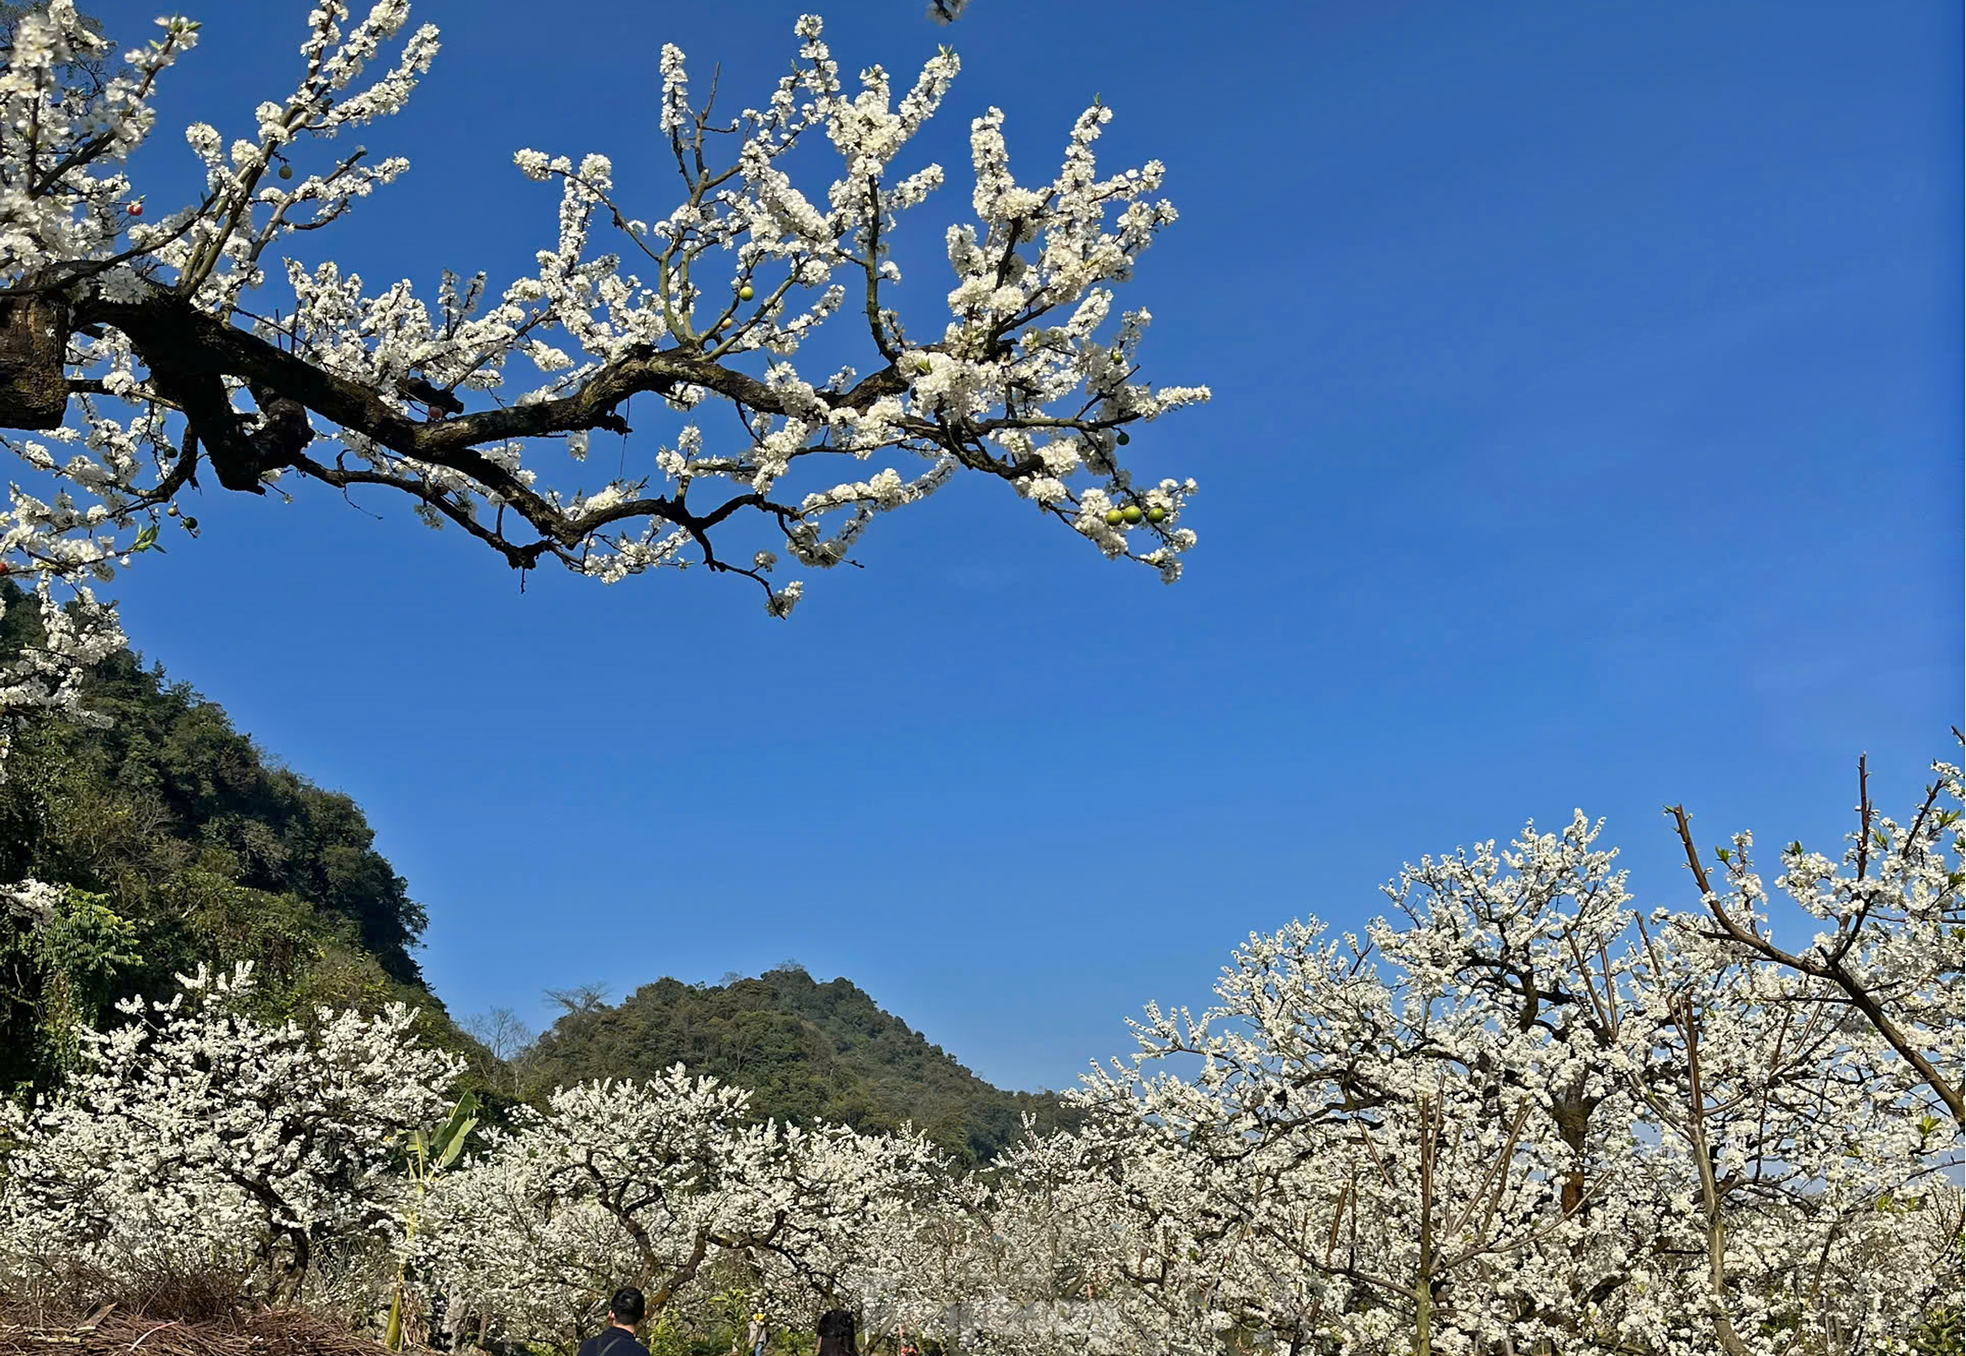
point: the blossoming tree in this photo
(1524, 1116)
(661, 1183)
(1069, 1242)
(131, 330)
(198, 1136)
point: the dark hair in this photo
(836, 1333)
(627, 1306)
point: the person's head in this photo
(836, 1333)
(627, 1307)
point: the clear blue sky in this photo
(1586, 433)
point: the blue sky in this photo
(1586, 433)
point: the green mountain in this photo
(809, 1051)
(183, 844)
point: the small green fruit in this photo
(191, 523)
(1156, 514)
(1114, 517)
(745, 293)
(1122, 438)
(171, 511)
(286, 171)
(1133, 513)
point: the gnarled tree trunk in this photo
(34, 327)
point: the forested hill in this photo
(809, 1051)
(183, 845)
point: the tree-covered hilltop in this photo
(183, 845)
(809, 1051)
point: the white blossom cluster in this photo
(1517, 1114)
(198, 1135)
(662, 1183)
(1030, 377)
(1527, 1114)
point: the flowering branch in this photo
(1027, 379)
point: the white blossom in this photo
(1026, 348)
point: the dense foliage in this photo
(809, 1053)
(187, 847)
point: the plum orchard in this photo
(1517, 1115)
(140, 342)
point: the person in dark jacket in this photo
(625, 1310)
(836, 1333)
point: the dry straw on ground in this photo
(114, 1333)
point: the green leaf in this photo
(456, 1147)
(451, 1139)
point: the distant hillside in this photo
(184, 844)
(809, 1052)
(187, 846)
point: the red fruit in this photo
(136, 209)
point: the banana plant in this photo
(429, 1150)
